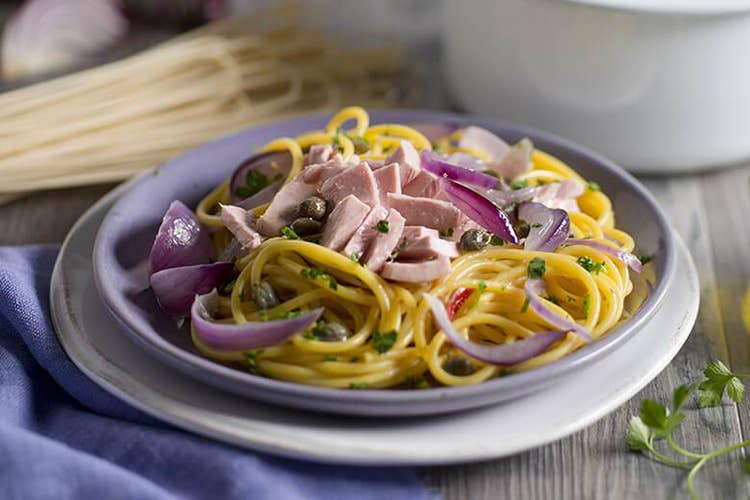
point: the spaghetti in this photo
(392, 338)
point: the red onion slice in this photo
(250, 335)
(504, 198)
(480, 210)
(502, 355)
(436, 164)
(269, 165)
(628, 258)
(548, 228)
(533, 287)
(180, 241)
(467, 161)
(176, 287)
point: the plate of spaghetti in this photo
(394, 263)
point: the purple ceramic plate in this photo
(125, 237)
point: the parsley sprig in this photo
(655, 422)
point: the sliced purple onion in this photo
(533, 288)
(467, 161)
(250, 335)
(262, 197)
(436, 164)
(180, 241)
(510, 196)
(628, 258)
(176, 287)
(548, 228)
(502, 355)
(269, 164)
(480, 210)
(483, 140)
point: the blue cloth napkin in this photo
(63, 437)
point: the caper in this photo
(305, 226)
(313, 208)
(330, 331)
(263, 295)
(474, 239)
(522, 229)
(360, 145)
(458, 365)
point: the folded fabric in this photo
(63, 437)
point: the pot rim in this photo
(678, 7)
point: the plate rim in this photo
(366, 402)
(59, 303)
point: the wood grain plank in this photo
(46, 217)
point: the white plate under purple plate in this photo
(127, 233)
(99, 347)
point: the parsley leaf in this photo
(383, 226)
(645, 259)
(537, 267)
(332, 283)
(593, 186)
(525, 306)
(719, 379)
(289, 233)
(639, 437)
(496, 241)
(416, 382)
(358, 385)
(384, 341)
(251, 358)
(519, 184)
(355, 256)
(312, 273)
(590, 265)
(254, 182)
(330, 357)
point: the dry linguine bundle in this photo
(108, 123)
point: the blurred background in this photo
(95, 91)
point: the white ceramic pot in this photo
(657, 85)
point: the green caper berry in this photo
(474, 239)
(330, 332)
(263, 295)
(458, 365)
(313, 208)
(305, 226)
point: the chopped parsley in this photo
(645, 259)
(537, 267)
(593, 186)
(416, 382)
(482, 286)
(384, 341)
(227, 289)
(355, 256)
(289, 233)
(519, 184)
(394, 255)
(254, 182)
(288, 314)
(251, 358)
(554, 300)
(590, 265)
(383, 226)
(330, 357)
(446, 233)
(358, 385)
(586, 305)
(361, 145)
(496, 241)
(313, 273)
(525, 306)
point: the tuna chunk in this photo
(239, 222)
(343, 220)
(319, 153)
(281, 210)
(559, 195)
(408, 159)
(384, 243)
(435, 214)
(427, 247)
(358, 180)
(417, 272)
(424, 184)
(365, 233)
(388, 179)
(323, 171)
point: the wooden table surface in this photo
(709, 211)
